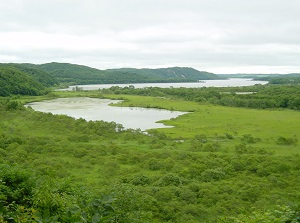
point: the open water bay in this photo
(231, 82)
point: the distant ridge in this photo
(293, 78)
(32, 79)
(183, 73)
(17, 79)
(78, 74)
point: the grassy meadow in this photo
(219, 122)
(218, 164)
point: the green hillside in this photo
(78, 74)
(39, 75)
(16, 81)
(286, 79)
(72, 73)
(50, 74)
(31, 79)
(293, 78)
(172, 73)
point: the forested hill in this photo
(23, 80)
(31, 79)
(293, 78)
(175, 73)
(72, 73)
(78, 74)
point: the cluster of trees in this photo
(291, 79)
(259, 96)
(23, 81)
(39, 75)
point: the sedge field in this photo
(219, 123)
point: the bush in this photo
(170, 179)
(13, 105)
(248, 138)
(154, 164)
(141, 180)
(16, 185)
(16, 191)
(279, 215)
(201, 138)
(212, 174)
(287, 141)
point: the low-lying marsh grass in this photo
(215, 163)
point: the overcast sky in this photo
(220, 36)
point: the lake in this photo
(231, 82)
(99, 109)
(129, 117)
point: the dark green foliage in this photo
(22, 199)
(169, 179)
(13, 105)
(23, 79)
(248, 138)
(259, 96)
(39, 75)
(212, 174)
(78, 74)
(175, 74)
(290, 79)
(16, 186)
(131, 205)
(140, 180)
(15, 81)
(96, 210)
(72, 73)
(282, 214)
(287, 141)
(16, 189)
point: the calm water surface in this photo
(232, 82)
(143, 118)
(99, 109)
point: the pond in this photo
(99, 109)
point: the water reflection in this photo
(99, 109)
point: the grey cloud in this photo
(213, 33)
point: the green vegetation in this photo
(78, 74)
(14, 80)
(290, 79)
(30, 79)
(219, 164)
(258, 96)
(233, 158)
(172, 74)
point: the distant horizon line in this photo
(158, 67)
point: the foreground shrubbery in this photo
(58, 169)
(28, 198)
